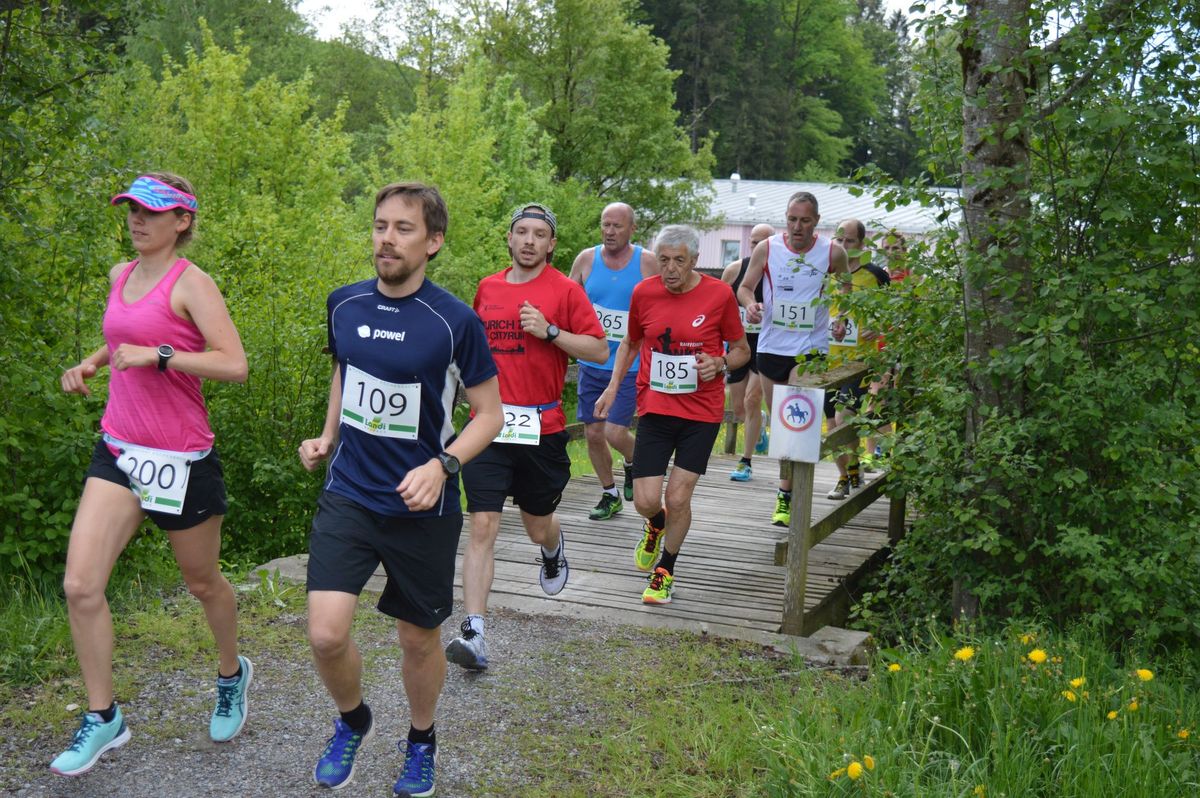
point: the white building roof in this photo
(751, 202)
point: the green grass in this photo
(699, 717)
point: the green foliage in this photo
(1076, 495)
(978, 716)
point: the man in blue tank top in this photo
(608, 272)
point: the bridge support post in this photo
(799, 539)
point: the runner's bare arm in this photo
(581, 269)
(74, 379)
(314, 450)
(738, 354)
(626, 352)
(731, 271)
(754, 273)
(593, 349)
(839, 265)
(196, 297)
(649, 264)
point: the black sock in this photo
(358, 718)
(415, 735)
(667, 561)
(746, 460)
(106, 715)
(787, 494)
(235, 675)
(659, 520)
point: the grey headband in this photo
(533, 210)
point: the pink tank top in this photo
(160, 409)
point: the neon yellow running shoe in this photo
(659, 589)
(783, 509)
(646, 553)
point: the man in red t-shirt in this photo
(679, 323)
(535, 318)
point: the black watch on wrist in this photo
(450, 463)
(165, 353)
(552, 332)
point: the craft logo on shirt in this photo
(365, 331)
(696, 322)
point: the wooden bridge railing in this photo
(804, 533)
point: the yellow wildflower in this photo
(1112, 715)
(1184, 734)
(1027, 638)
(1056, 660)
(965, 653)
(980, 790)
(1133, 705)
(1037, 656)
(1078, 682)
(869, 760)
(1069, 695)
(894, 667)
(1144, 674)
(837, 774)
(854, 770)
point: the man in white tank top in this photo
(795, 266)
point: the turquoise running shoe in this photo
(92, 739)
(420, 762)
(335, 768)
(230, 715)
(743, 473)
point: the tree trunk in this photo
(996, 269)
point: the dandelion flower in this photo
(837, 774)
(1133, 705)
(1184, 734)
(1069, 695)
(1144, 674)
(980, 790)
(854, 770)
(894, 667)
(965, 653)
(869, 760)
(1112, 715)
(1028, 638)
(1078, 682)
(1037, 656)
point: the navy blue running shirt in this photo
(429, 337)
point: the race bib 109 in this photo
(378, 407)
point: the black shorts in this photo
(205, 493)
(534, 476)
(849, 396)
(661, 436)
(741, 372)
(348, 542)
(778, 368)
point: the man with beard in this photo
(608, 273)
(400, 345)
(535, 318)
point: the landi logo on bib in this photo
(696, 322)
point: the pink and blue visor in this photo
(155, 195)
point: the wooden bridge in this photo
(727, 580)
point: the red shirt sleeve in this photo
(581, 318)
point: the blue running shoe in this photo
(335, 768)
(230, 715)
(743, 473)
(764, 441)
(420, 761)
(92, 739)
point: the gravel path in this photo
(291, 717)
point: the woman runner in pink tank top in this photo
(166, 328)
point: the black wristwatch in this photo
(552, 332)
(165, 353)
(449, 463)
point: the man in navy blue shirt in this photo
(401, 345)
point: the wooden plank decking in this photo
(726, 579)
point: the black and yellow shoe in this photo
(609, 506)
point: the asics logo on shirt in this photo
(696, 322)
(365, 331)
